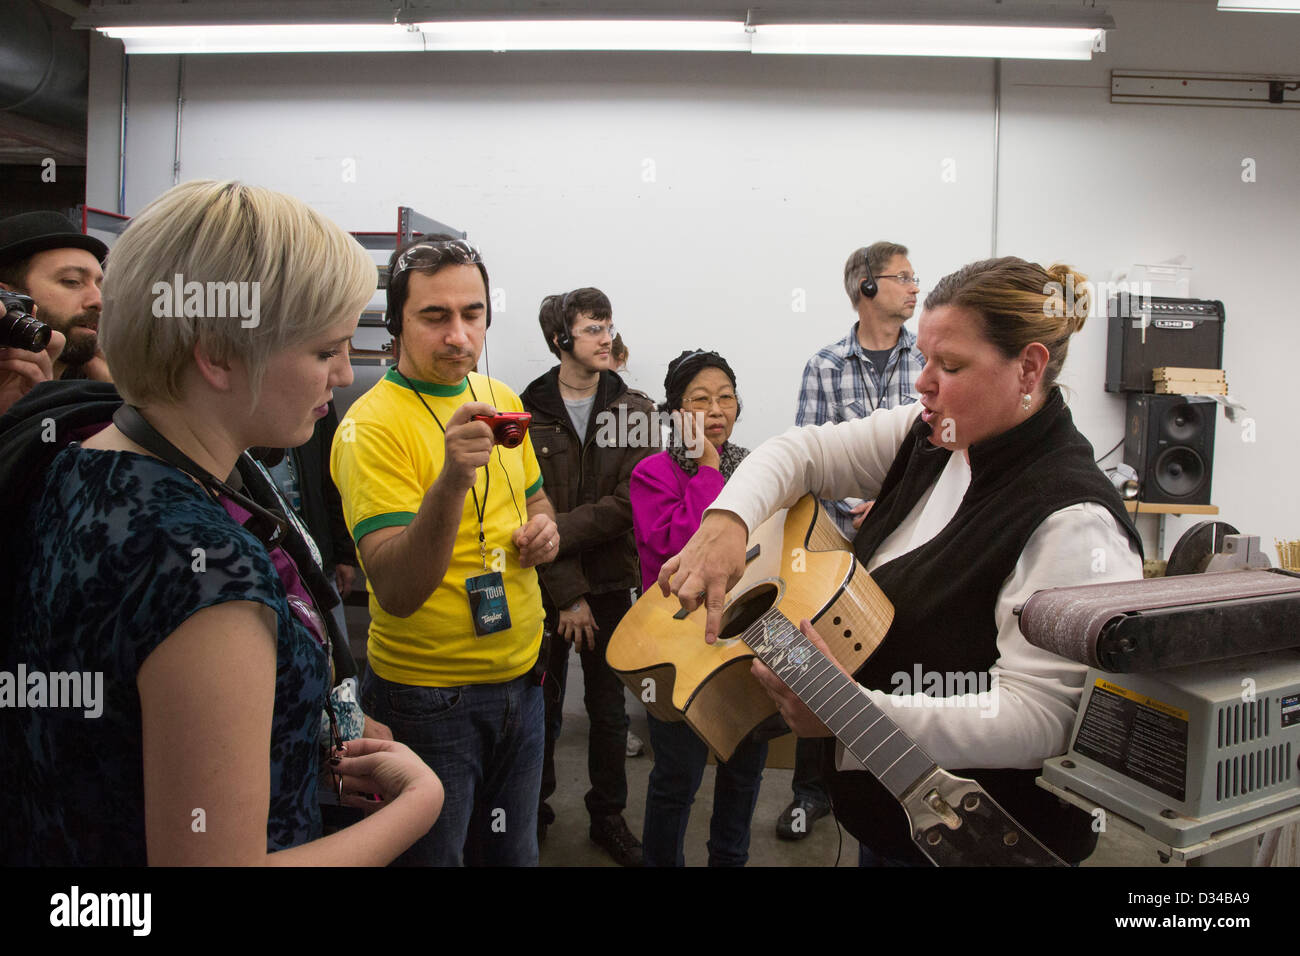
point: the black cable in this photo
(1109, 453)
(479, 510)
(502, 464)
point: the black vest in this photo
(944, 595)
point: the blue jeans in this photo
(807, 783)
(680, 757)
(484, 741)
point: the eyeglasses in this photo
(904, 279)
(429, 255)
(596, 331)
(702, 403)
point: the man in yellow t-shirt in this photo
(449, 527)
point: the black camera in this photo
(17, 327)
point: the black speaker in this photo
(1145, 334)
(1169, 442)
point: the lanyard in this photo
(479, 509)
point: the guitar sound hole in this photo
(746, 609)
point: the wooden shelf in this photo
(1145, 508)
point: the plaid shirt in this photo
(840, 384)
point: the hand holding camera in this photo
(18, 326)
(468, 444)
(20, 367)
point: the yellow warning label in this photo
(1142, 699)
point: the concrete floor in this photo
(567, 842)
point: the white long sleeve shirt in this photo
(1031, 702)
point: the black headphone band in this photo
(564, 338)
(268, 527)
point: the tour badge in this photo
(487, 603)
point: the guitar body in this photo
(803, 568)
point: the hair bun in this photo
(1075, 302)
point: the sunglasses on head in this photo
(429, 255)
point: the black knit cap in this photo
(683, 369)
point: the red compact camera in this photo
(508, 428)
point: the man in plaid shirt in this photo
(874, 366)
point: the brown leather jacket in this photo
(586, 480)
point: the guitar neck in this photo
(954, 822)
(862, 727)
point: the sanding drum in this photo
(1152, 624)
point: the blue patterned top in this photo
(113, 570)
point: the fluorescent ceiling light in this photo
(889, 39)
(503, 35)
(268, 38)
(1260, 6)
(1069, 43)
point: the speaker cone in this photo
(1181, 422)
(1179, 472)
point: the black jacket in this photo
(586, 479)
(321, 508)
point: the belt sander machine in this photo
(1189, 726)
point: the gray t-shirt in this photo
(879, 358)
(580, 414)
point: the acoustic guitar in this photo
(953, 821)
(798, 562)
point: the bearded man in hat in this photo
(44, 256)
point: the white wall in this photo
(1104, 185)
(767, 172)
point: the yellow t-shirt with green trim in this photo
(387, 453)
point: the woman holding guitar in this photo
(669, 493)
(985, 492)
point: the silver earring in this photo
(1026, 400)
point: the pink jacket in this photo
(667, 506)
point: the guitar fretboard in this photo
(876, 741)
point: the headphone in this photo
(868, 286)
(564, 338)
(393, 319)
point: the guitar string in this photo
(839, 829)
(783, 622)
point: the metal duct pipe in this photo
(44, 64)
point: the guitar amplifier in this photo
(1144, 334)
